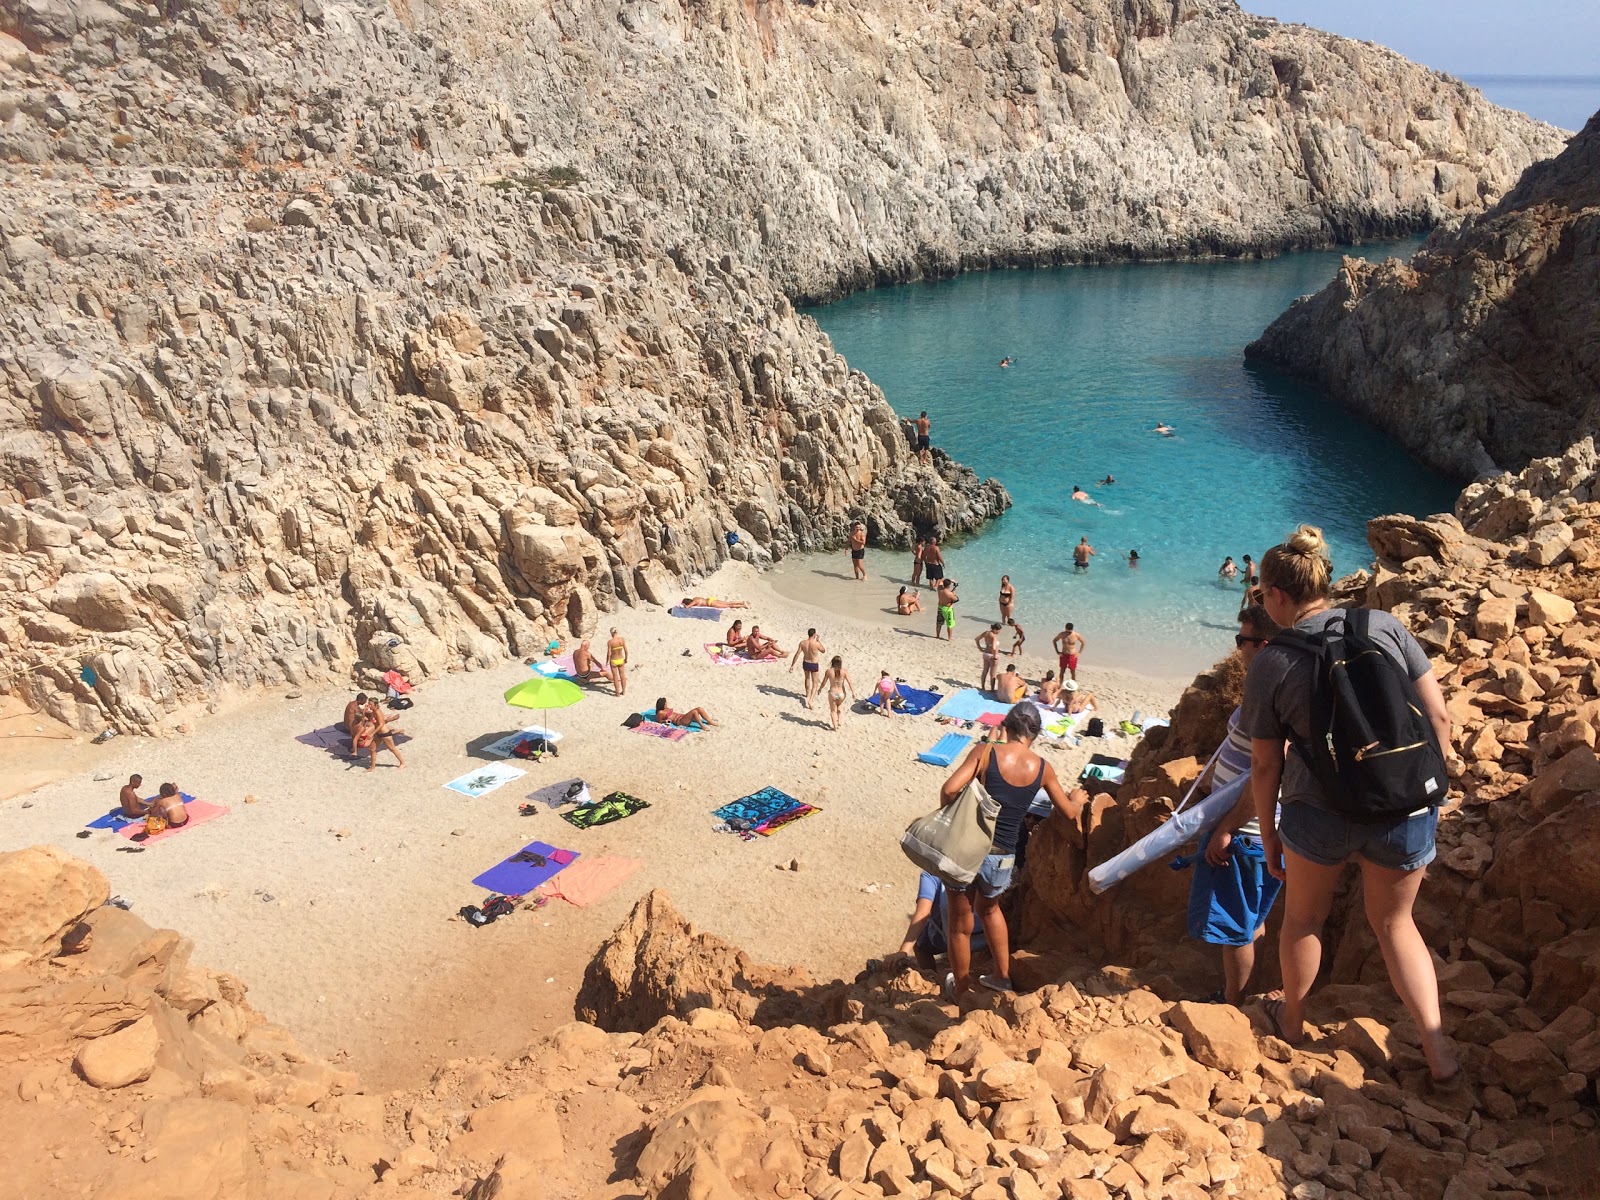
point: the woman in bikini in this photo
(1008, 599)
(907, 603)
(1049, 690)
(367, 736)
(916, 563)
(734, 639)
(835, 680)
(667, 715)
(617, 659)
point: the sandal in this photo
(1274, 1011)
(1217, 997)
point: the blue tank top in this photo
(1013, 801)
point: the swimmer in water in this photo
(1006, 361)
(1133, 558)
(1081, 496)
(1108, 481)
(1163, 429)
(1228, 570)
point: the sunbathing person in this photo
(584, 667)
(168, 805)
(886, 694)
(907, 603)
(734, 639)
(668, 715)
(1077, 701)
(367, 736)
(1009, 687)
(1049, 693)
(759, 646)
(712, 602)
(132, 803)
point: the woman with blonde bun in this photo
(1310, 844)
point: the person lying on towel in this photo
(711, 602)
(1077, 701)
(667, 715)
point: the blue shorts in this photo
(994, 877)
(1227, 905)
(1328, 839)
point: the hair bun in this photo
(1307, 540)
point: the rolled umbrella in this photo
(544, 694)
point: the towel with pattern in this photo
(614, 807)
(724, 657)
(757, 808)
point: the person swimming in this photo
(1163, 429)
(1108, 481)
(1133, 558)
(1006, 361)
(1228, 570)
(1081, 496)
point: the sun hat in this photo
(1070, 685)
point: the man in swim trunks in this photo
(1069, 644)
(1108, 480)
(858, 549)
(944, 619)
(617, 660)
(933, 561)
(988, 643)
(1010, 688)
(1018, 637)
(1081, 496)
(1163, 428)
(1081, 554)
(811, 651)
(584, 668)
(133, 804)
(924, 451)
(916, 562)
(759, 646)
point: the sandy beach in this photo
(333, 891)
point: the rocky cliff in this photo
(346, 336)
(1484, 351)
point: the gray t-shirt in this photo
(1278, 690)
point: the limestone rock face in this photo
(341, 338)
(1479, 354)
(44, 892)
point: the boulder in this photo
(44, 892)
(1548, 543)
(714, 1121)
(1548, 609)
(196, 1149)
(96, 600)
(1554, 861)
(1563, 781)
(120, 1058)
(1217, 1035)
(1496, 619)
(1522, 1062)
(1133, 1051)
(524, 1125)
(1009, 1080)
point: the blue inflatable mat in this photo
(946, 750)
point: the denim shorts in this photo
(1328, 839)
(994, 877)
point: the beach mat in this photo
(992, 720)
(337, 742)
(116, 819)
(502, 748)
(671, 733)
(199, 813)
(969, 704)
(554, 795)
(917, 701)
(719, 655)
(698, 614)
(511, 878)
(485, 779)
(757, 808)
(1102, 768)
(946, 750)
(770, 827)
(585, 882)
(559, 667)
(615, 807)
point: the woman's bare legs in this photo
(834, 708)
(1307, 900)
(1390, 896)
(996, 933)
(959, 938)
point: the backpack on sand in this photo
(1372, 748)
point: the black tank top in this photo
(1013, 801)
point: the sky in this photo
(1463, 37)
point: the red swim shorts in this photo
(1069, 662)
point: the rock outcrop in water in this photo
(1482, 352)
(339, 336)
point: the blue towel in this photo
(917, 701)
(699, 614)
(969, 704)
(519, 878)
(946, 750)
(116, 820)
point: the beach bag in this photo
(535, 747)
(1372, 749)
(633, 721)
(1095, 728)
(154, 823)
(951, 842)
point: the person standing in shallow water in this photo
(916, 562)
(1081, 554)
(1008, 599)
(1310, 844)
(858, 550)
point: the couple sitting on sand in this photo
(1066, 696)
(165, 808)
(754, 645)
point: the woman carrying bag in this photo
(1012, 774)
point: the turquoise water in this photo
(1101, 354)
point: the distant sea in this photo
(1566, 101)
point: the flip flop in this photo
(1274, 1011)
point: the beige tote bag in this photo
(952, 841)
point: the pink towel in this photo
(199, 813)
(587, 880)
(992, 720)
(671, 733)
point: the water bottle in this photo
(1138, 717)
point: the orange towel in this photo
(586, 880)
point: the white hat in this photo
(1070, 685)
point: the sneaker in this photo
(949, 988)
(996, 983)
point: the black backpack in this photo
(1372, 748)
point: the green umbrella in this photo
(544, 693)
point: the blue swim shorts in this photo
(994, 877)
(1228, 904)
(1328, 839)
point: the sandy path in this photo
(333, 894)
